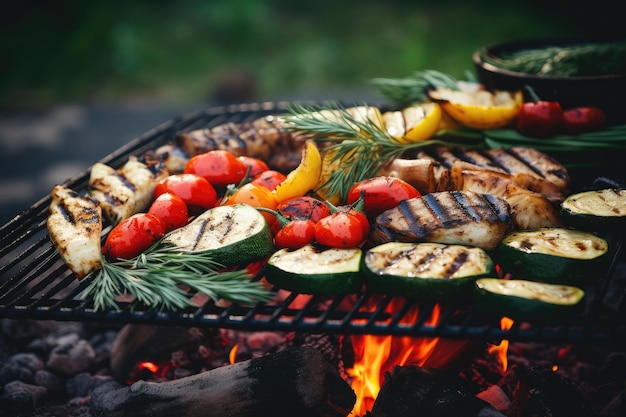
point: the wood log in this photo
(293, 382)
(410, 391)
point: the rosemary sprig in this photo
(160, 278)
(362, 146)
(412, 89)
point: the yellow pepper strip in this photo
(304, 177)
(479, 109)
(414, 123)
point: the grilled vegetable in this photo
(314, 270)
(381, 193)
(425, 270)
(232, 235)
(195, 191)
(171, 209)
(601, 210)
(128, 190)
(219, 167)
(451, 217)
(582, 120)
(479, 108)
(75, 226)
(540, 118)
(527, 300)
(132, 236)
(553, 255)
(414, 123)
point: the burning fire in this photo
(500, 350)
(376, 355)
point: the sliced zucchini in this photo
(425, 270)
(599, 210)
(527, 300)
(233, 235)
(553, 255)
(316, 270)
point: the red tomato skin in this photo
(582, 120)
(171, 209)
(304, 207)
(195, 191)
(295, 234)
(340, 230)
(540, 119)
(256, 165)
(381, 193)
(132, 236)
(219, 167)
(269, 179)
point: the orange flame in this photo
(376, 355)
(150, 366)
(501, 349)
(232, 355)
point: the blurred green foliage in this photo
(76, 50)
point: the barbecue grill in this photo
(36, 284)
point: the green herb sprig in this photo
(162, 277)
(413, 89)
(363, 144)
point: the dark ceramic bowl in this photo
(607, 92)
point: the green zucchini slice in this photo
(316, 270)
(553, 255)
(601, 210)
(425, 270)
(233, 235)
(527, 300)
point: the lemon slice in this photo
(414, 123)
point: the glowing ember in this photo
(150, 366)
(500, 350)
(376, 355)
(232, 355)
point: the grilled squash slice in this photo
(601, 210)
(425, 270)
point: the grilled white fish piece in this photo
(530, 210)
(128, 190)
(451, 217)
(75, 228)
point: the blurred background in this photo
(78, 79)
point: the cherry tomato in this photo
(341, 229)
(295, 234)
(304, 207)
(381, 193)
(255, 196)
(219, 167)
(132, 236)
(171, 209)
(195, 191)
(583, 119)
(269, 179)
(256, 165)
(540, 119)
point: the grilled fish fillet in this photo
(75, 227)
(264, 138)
(451, 217)
(126, 191)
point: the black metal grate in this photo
(36, 284)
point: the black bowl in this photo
(607, 92)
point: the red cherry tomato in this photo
(341, 229)
(540, 119)
(219, 167)
(583, 119)
(171, 209)
(132, 236)
(295, 234)
(269, 179)
(195, 191)
(256, 165)
(381, 193)
(304, 207)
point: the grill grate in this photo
(36, 284)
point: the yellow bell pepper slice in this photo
(479, 109)
(414, 123)
(304, 177)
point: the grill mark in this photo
(209, 141)
(412, 221)
(524, 161)
(67, 213)
(91, 215)
(497, 206)
(433, 204)
(125, 182)
(459, 260)
(466, 205)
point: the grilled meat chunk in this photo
(128, 190)
(75, 227)
(451, 217)
(264, 138)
